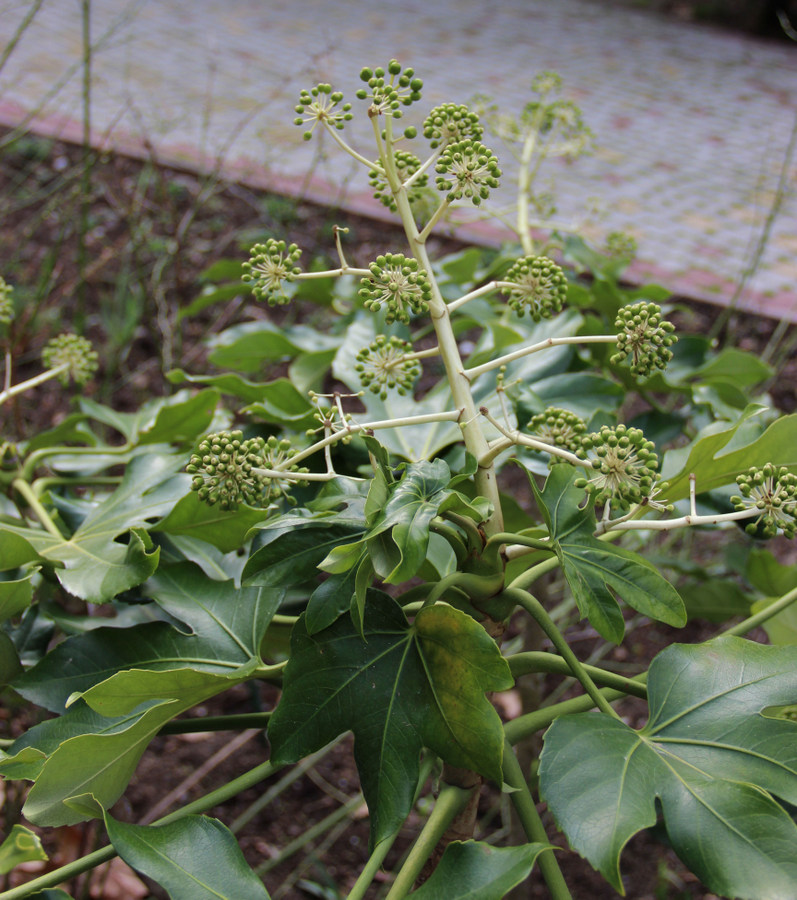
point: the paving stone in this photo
(692, 123)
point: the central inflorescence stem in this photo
(470, 420)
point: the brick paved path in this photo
(692, 123)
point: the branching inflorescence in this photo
(320, 105)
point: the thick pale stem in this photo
(351, 151)
(41, 378)
(535, 348)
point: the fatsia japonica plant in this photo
(468, 432)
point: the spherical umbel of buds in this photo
(399, 285)
(467, 170)
(407, 164)
(559, 427)
(319, 105)
(6, 302)
(387, 95)
(541, 287)
(621, 246)
(225, 469)
(383, 366)
(772, 490)
(222, 470)
(270, 265)
(644, 338)
(450, 123)
(75, 354)
(625, 466)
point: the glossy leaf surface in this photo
(707, 753)
(401, 688)
(595, 570)
(195, 857)
(473, 870)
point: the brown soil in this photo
(151, 231)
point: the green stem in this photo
(450, 801)
(32, 462)
(577, 339)
(759, 618)
(538, 613)
(23, 488)
(475, 441)
(532, 824)
(381, 850)
(216, 723)
(524, 726)
(537, 661)
(71, 870)
(41, 378)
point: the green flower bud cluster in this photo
(270, 265)
(560, 123)
(559, 427)
(225, 469)
(467, 170)
(318, 105)
(450, 123)
(644, 337)
(387, 96)
(407, 164)
(397, 283)
(546, 83)
(382, 366)
(625, 466)
(621, 246)
(75, 353)
(773, 491)
(6, 302)
(541, 287)
(222, 470)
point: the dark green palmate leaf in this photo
(710, 757)
(595, 569)
(476, 871)
(401, 688)
(196, 857)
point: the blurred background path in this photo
(695, 127)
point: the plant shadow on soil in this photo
(151, 231)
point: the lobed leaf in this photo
(707, 754)
(400, 688)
